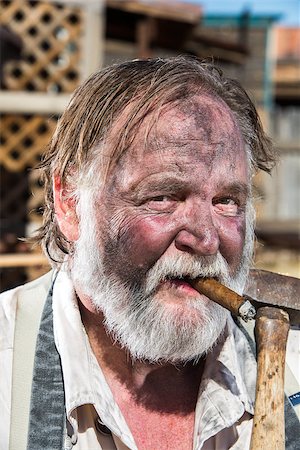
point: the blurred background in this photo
(49, 47)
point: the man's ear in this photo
(65, 211)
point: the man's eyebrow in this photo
(167, 182)
(237, 187)
(170, 182)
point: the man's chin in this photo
(175, 324)
(174, 331)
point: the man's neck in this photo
(164, 387)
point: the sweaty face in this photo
(173, 209)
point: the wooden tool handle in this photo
(271, 332)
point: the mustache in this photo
(186, 266)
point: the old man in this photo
(148, 185)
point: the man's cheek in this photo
(232, 242)
(138, 245)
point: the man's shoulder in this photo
(43, 283)
(37, 287)
(30, 296)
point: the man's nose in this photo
(198, 235)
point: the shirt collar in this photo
(227, 388)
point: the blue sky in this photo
(289, 9)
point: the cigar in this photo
(237, 304)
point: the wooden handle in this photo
(271, 332)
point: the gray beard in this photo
(137, 318)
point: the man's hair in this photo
(82, 144)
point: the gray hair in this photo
(83, 136)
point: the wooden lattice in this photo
(24, 138)
(51, 36)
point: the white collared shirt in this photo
(224, 409)
(223, 418)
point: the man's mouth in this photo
(183, 283)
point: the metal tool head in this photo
(273, 289)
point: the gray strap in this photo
(47, 410)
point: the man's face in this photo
(175, 208)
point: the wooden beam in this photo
(145, 32)
(93, 38)
(24, 102)
(23, 260)
(176, 10)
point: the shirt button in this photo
(103, 429)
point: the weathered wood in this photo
(51, 35)
(93, 37)
(271, 332)
(24, 139)
(23, 260)
(145, 30)
(16, 102)
(177, 11)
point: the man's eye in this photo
(227, 201)
(160, 202)
(227, 206)
(160, 198)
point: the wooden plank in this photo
(33, 102)
(177, 11)
(145, 30)
(278, 226)
(93, 37)
(23, 260)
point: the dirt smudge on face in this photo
(196, 142)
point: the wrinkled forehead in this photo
(202, 117)
(203, 120)
(197, 132)
(196, 128)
